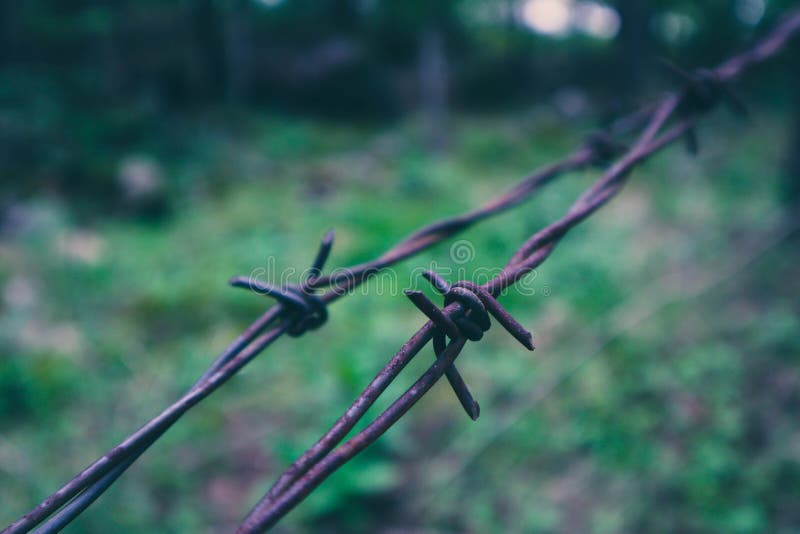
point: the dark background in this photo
(149, 150)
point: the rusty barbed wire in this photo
(478, 304)
(703, 91)
(299, 308)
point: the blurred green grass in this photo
(675, 326)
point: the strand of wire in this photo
(314, 466)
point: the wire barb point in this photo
(468, 322)
(304, 309)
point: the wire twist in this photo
(468, 321)
(304, 309)
(703, 90)
(604, 148)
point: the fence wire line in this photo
(700, 95)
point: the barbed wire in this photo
(464, 317)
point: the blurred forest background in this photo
(150, 150)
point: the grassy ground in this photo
(662, 395)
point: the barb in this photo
(703, 89)
(304, 310)
(324, 457)
(470, 323)
(445, 326)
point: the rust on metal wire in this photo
(464, 316)
(304, 309)
(470, 323)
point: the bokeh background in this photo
(150, 150)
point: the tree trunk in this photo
(238, 54)
(791, 174)
(433, 87)
(633, 47)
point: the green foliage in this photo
(662, 396)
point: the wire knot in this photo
(477, 304)
(603, 147)
(703, 90)
(473, 322)
(470, 322)
(304, 310)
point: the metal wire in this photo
(299, 308)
